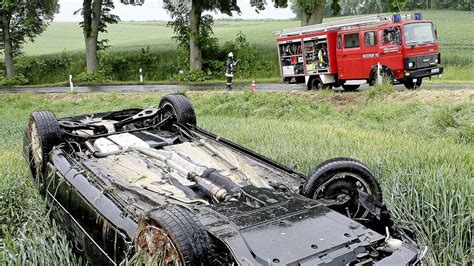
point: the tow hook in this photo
(391, 244)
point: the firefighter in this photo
(229, 73)
(322, 56)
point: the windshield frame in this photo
(419, 42)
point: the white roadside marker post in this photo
(71, 85)
(379, 78)
(141, 76)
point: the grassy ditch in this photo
(420, 144)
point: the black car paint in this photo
(104, 222)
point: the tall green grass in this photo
(27, 234)
(418, 143)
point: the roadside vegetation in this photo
(57, 53)
(420, 144)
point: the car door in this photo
(390, 48)
(340, 69)
(370, 51)
(352, 56)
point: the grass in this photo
(420, 144)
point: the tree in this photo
(311, 11)
(96, 16)
(191, 25)
(22, 20)
(396, 5)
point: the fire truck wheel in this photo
(385, 73)
(409, 84)
(350, 87)
(316, 84)
(313, 83)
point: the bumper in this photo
(426, 72)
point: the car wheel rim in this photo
(36, 147)
(343, 188)
(169, 111)
(157, 246)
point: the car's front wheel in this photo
(340, 182)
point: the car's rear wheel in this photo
(43, 134)
(180, 107)
(174, 236)
(412, 85)
(338, 182)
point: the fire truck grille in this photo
(423, 61)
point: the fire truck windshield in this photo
(419, 33)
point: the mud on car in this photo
(150, 182)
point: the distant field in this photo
(455, 30)
(419, 144)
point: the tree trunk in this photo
(92, 12)
(91, 53)
(314, 18)
(8, 47)
(195, 57)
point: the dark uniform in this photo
(229, 73)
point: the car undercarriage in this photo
(150, 182)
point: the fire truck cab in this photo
(402, 49)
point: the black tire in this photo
(313, 83)
(180, 107)
(385, 72)
(409, 84)
(185, 231)
(43, 134)
(353, 175)
(350, 87)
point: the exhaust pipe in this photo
(212, 190)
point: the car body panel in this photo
(105, 197)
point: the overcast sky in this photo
(152, 10)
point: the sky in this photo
(152, 10)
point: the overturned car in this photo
(149, 182)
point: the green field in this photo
(420, 144)
(123, 59)
(454, 28)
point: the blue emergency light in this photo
(397, 18)
(418, 16)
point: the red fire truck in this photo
(403, 49)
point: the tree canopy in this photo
(194, 29)
(96, 15)
(21, 21)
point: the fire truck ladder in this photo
(341, 24)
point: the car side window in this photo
(392, 36)
(370, 38)
(351, 40)
(339, 42)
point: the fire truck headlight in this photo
(436, 60)
(410, 64)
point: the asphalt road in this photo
(152, 88)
